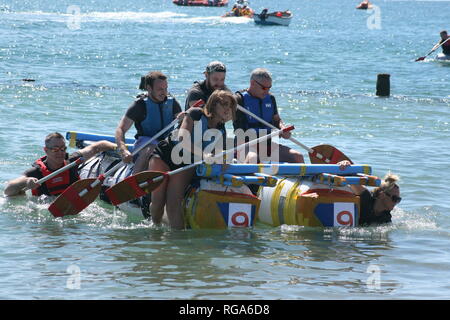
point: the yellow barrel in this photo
(294, 201)
(213, 206)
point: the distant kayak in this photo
(203, 3)
(443, 57)
(282, 18)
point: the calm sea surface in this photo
(87, 61)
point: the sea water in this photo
(86, 60)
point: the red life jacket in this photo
(57, 184)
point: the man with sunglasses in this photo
(214, 80)
(54, 159)
(376, 206)
(259, 101)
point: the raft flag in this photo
(237, 214)
(337, 214)
(344, 214)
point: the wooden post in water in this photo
(383, 85)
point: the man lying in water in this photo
(54, 159)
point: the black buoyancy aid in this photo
(57, 184)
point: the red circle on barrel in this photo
(342, 214)
(236, 215)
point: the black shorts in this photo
(164, 152)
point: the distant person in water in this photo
(376, 206)
(446, 45)
(54, 159)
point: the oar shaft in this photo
(221, 155)
(318, 155)
(121, 163)
(55, 173)
(440, 45)
(432, 50)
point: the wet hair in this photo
(54, 135)
(222, 97)
(389, 183)
(150, 78)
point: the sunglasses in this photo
(56, 149)
(394, 198)
(263, 87)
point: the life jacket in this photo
(204, 123)
(446, 47)
(57, 184)
(262, 108)
(159, 115)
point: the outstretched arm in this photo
(17, 186)
(96, 148)
(357, 189)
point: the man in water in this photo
(446, 45)
(54, 159)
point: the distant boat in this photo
(240, 9)
(282, 18)
(364, 5)
(202, 3)
(443, 57)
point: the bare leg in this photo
(142, 162)
(290, 155)
(159, 194)
(175, 194)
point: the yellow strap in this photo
(73, 140)
(275, 202)
(302, 170)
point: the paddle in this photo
(144, 182)
(81, 193)
(432, 50)
(319, 154)
(60, 170)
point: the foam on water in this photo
(124, 16)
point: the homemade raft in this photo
(304, 194)
(316, 195)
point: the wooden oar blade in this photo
(70, 203)
(329, 152)
(128, 189)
